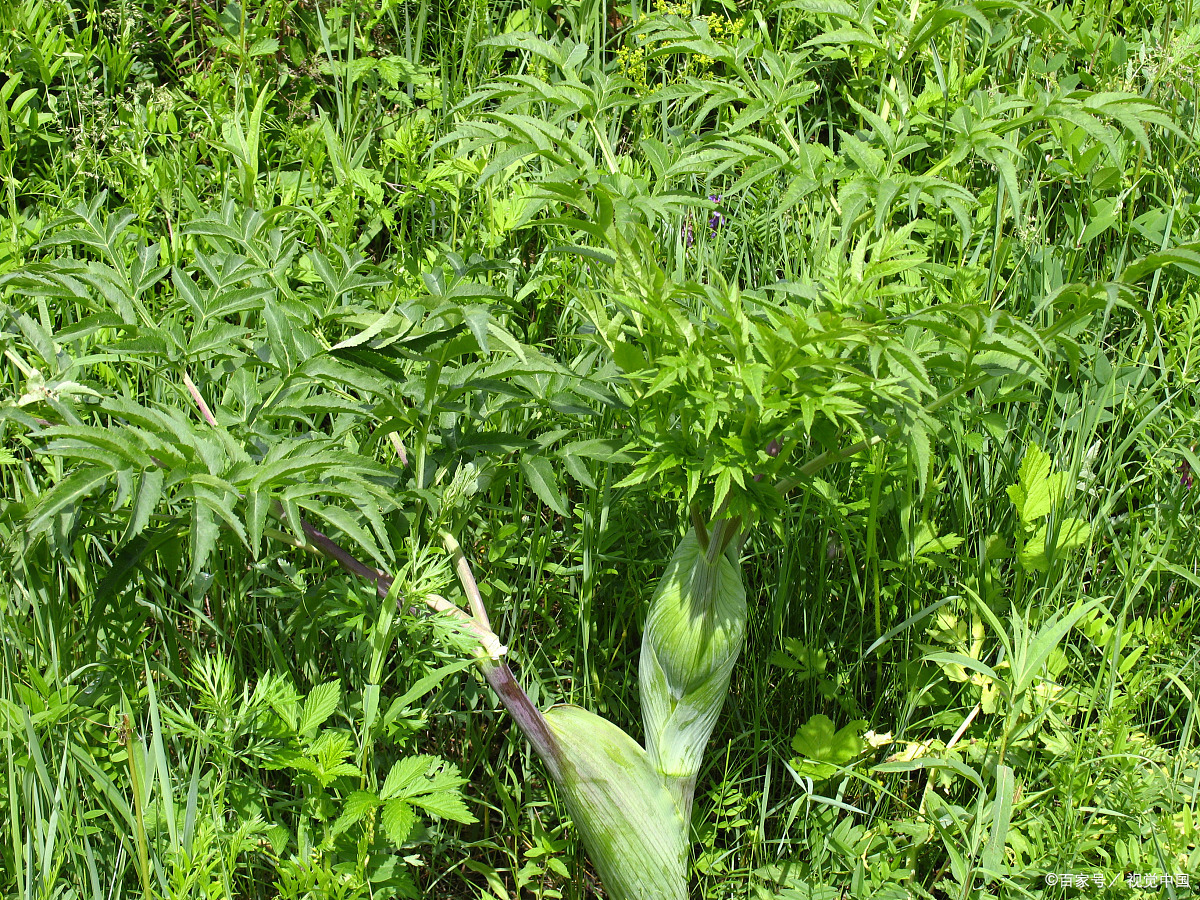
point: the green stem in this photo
(140, 817)
(609, 159)
(466, 578)
(873, 557)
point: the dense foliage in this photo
(296, 297)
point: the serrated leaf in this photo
(258, 504)
(319, 706)
(70, 490)
(344, 522)
(430, 783)
(1037, 490)
(609, 450)
(445, 804)
(1072, 533)
(357, 806)
(920, 453)
(579, 471)
(539, 472)
(340, 770)
(397, 821)
(280, 330)
(202, 537)
(290, 760)
(837, 8)
(799, 657)
(145, 501)
(477, 319)
(404, 775)
(926, 540)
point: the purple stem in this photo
(331, 548)
(527, 716)
(499, 676)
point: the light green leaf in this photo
(629, 357)
(445, 804)
(404, 774)
(926, 540)
(357, 806)
(397, 821)
(1035, 556)
(1031, 492)
(321, 702)
(824, 750)
(1072, 534)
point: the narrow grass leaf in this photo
(993, 854)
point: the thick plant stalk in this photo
(693, 637)
(631, 805)
(633, 831)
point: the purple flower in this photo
(717, 219)
(1185, 475)
(689, 233)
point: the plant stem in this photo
(497, 673)
(466, 578)
(198, 398)
(132, 742)
(527, 716)
(334, 550)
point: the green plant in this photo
(289, 286)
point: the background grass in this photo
(306, 167)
